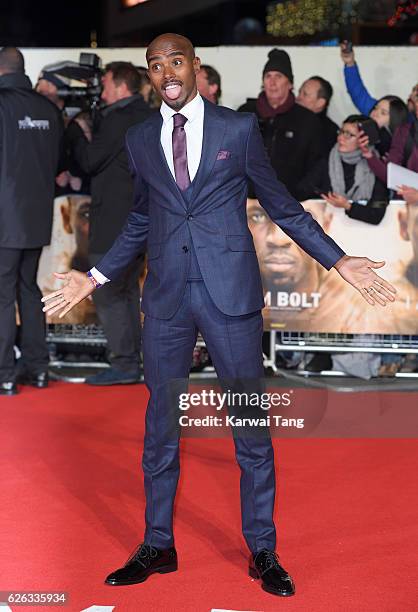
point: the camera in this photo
(87, 70)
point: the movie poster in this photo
(68, 249)
(300, 295)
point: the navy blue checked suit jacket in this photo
(163, 223)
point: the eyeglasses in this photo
(346, 134)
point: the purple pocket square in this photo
(223, 155)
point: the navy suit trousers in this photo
(234, 343)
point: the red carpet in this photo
(72, 511)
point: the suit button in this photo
(189, 217)
(185, 249)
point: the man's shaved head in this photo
(172, 69)
(170, 40)
(11, 60)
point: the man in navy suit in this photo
(191, 163)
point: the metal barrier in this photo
(343, 343)
(76, 334)
(89, 335)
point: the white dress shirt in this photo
(194, 111)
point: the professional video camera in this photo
(88, 71)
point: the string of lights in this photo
(404, 10)
(307, 17)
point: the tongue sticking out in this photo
(173, 92)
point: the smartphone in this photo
(348, 46)
(370, 128)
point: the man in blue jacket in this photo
(191, 163)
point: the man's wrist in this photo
(341, 262)
(93, 281)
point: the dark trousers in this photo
(234, 344)
(18, 270)
(118, 308)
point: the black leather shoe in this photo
(40, 381)
(275, 579)
(8, 388)
(145, 561)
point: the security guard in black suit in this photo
(31, 133)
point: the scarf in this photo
(364, 179)
(265, 111)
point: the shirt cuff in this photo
(99, 277)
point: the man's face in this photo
(172, 69)
(308, 96)
(111, 92)
(205, 89)
(276, 86)
(283, 264)
(408, 227)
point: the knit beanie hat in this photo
(279, 61)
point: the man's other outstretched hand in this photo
(77, 286)
(358, 271)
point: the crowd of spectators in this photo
(311, 154)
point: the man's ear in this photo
(65, 214)
(321, 104)
(213, 89)
(403, 224)
(196, 64)
(124, 90)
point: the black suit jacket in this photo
(214, 220)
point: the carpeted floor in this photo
(72, 511)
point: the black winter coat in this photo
(105, 160)
(31, 132)
(292, 141)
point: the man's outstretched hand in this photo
(358, 271)
(77, 286)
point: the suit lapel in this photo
(213, 132)
(158, 160)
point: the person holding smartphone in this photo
(403, 151)
(388, 112)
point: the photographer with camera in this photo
(49, 85)
(57, 89)
(30, 145)
(101, 154)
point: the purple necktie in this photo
(180, 152)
